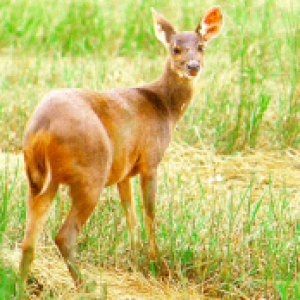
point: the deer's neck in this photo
(175, 91)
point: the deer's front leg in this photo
(124, 188)
(149, 185)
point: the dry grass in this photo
(220, 174)
(222, 177)
(51, 274)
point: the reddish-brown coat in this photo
(89, 140)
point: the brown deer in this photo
(89, 140)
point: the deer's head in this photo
(186, 49)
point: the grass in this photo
(227, 209)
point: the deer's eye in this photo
(200, 48)
(176, 50)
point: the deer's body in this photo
(89, 140)
(134, 125)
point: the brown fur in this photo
(89, 140)
(42, 147)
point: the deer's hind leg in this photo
(85, 194)
(38, 207)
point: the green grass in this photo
(236, 238)
(7, 284)
(248, 95)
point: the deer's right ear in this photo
(163, 28)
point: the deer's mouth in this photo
(193, 73)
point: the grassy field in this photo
(228, 202)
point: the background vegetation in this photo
(228, 197)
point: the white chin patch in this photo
(185, 75)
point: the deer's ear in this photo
(211, 24)
(163, 28)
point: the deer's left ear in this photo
(211, 24)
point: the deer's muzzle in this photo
(193, 68)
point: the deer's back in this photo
(131, 124)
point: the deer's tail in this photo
(37, 162)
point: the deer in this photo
(89, 140)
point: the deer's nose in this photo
(193, 66)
